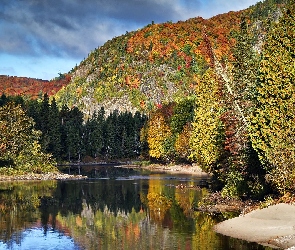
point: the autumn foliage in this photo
(218, 92)
(31, 87)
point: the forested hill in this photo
(219, 93)
(159, 63)
(31, 87)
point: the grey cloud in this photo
(71, 28)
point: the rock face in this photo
(273, 226)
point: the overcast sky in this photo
(40, 38)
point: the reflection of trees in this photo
(204, 237)
(158, 205)
(104, 222)
(104, 229)
(111, 193)
(18, 206)
(110, 214)
(187, 198)
(158, 200)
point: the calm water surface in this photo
(118, 209)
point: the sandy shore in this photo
(273, 226)
(176, 169)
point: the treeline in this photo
(66, 136)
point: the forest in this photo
(222, 98)
(65, 135)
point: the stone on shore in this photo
(41, 177)
(273, 226)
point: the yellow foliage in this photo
(205, 140)
(158, 131)
(182, 144)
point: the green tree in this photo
(54, 130)
(74, 134)
(183, 112)
(273, 118)
(3, 99)
(241, 172)
(19, 147)
(43, 122)
(93, 134)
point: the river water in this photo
(114, 209)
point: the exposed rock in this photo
(42, 177)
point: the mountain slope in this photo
(156, 64)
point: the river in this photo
(114, 209)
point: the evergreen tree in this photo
(3, 100)
(43, 123)
(64, 116)
(74, 134)
(273, 118)
(54, 130)
(93, 134)
(113, 137)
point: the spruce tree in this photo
(54, 130)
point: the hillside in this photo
(143, 69)
(148, 67)
(219, 93)
(158, 63)
(31, 87)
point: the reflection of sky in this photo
(34, 238)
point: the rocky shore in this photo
(42, 177)
(273, 226)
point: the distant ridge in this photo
(31, 87)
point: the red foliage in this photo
(12, 85)
(161, 40)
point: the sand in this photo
(273, 226)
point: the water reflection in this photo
(35, 238)
(126, 212)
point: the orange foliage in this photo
(12, 85)
(132, 82)
(161, 40)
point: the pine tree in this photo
(43, 123)
(54, 130)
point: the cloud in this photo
(72, 28)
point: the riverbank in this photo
(172, 169)
(273, 226)
(41, 177)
